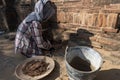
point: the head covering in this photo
(48, 11)
(37, 14)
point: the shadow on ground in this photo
(112, 74)
(81, 38)
(7, 66)
(54, 74)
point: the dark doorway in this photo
(11, 15)
(118, 23)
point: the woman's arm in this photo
(37, 36)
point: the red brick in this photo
(107, 41)
(69, 17)
(89, 20)
(104, 21)
(95, 16)
(111, 20)
(109, 30)
(61, 16)
(90, 15)
(94, 29)
(93, 38)
(101, 20)
(76, 18)
(111, 10)
(57, 0)
(96, 44)
(83, 18)
(112, 6)
(111, 48)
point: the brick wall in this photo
(85, 17)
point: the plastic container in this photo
(86, 54)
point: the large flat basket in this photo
(19, 73)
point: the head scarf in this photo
(37, 14)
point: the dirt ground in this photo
(8, 61)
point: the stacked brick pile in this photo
(99, 17)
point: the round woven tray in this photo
(19, 73)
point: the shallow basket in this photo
(19, 73)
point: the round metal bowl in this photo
(19, 73)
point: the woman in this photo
(29, 40)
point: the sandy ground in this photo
(8, 61)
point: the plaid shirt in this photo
(29, 39)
